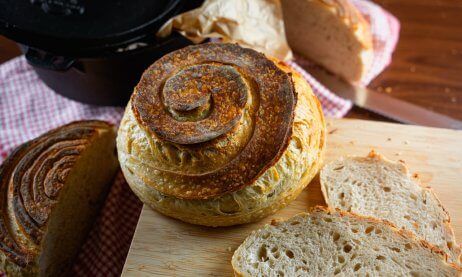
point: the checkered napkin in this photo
(29, 108)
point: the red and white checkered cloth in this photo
(29, 108)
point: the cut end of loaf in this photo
(335, 35)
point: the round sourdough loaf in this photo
(217, 135)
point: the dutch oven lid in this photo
(74, 27)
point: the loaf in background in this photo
(332, 34)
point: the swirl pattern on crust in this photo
(30, 181)
(226, 111)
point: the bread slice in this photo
(327, 243)
(375, 186)
(333, 34)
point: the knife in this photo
(383, 104)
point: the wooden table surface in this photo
(427, 64)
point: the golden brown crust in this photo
(280, 202)
(274, 189)
(195, 98)
(30, 181)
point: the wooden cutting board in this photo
(167, 247)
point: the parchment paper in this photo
(255, 24)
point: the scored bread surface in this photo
(276, 187)
(375, 186)
(334, 243)
(52, 189)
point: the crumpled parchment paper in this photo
(256, 24)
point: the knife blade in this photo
(384, 104)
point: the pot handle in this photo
(46, 60)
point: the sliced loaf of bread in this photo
(332, 34)
(375, 186)
(330, 242)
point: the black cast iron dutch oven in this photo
(92, 51)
